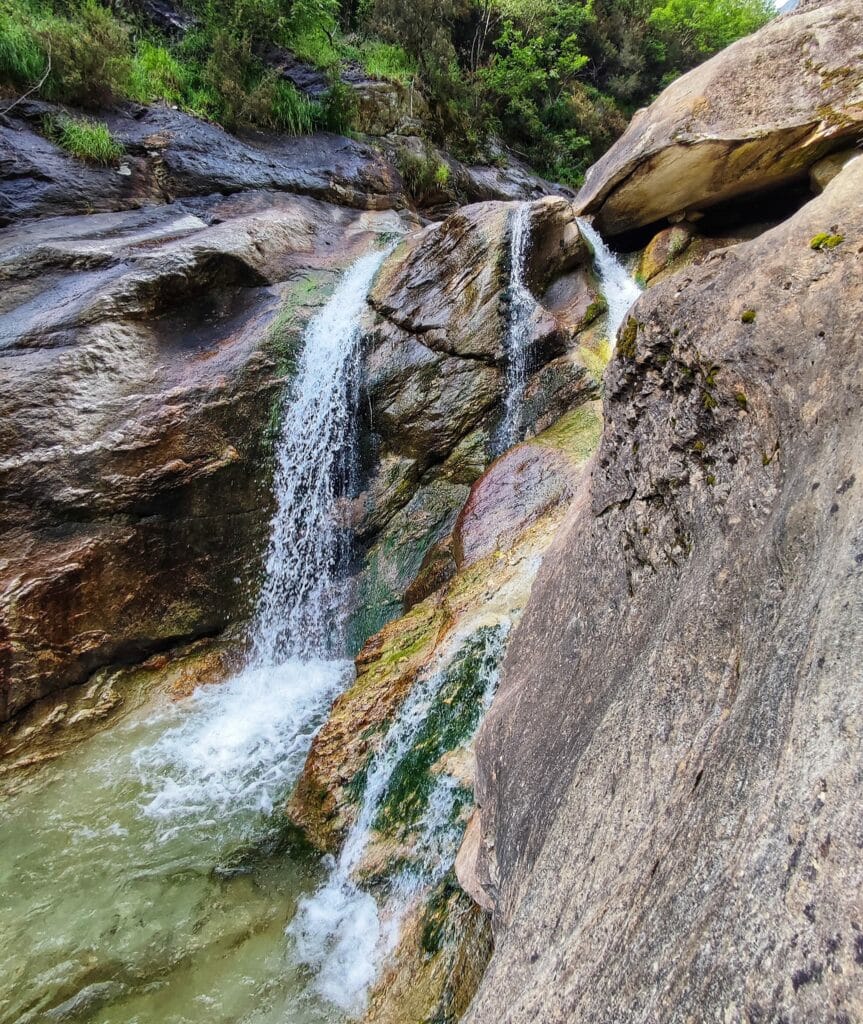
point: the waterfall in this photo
(522, 306)
(341, 932)
(241, 744)
(300, 603)
(618, 287)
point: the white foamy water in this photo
(619, 288)
(299, 611)
(522, 306)
(342, 932)
(239, 746)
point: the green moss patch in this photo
(825, 240)
(450, 722)
(576, 433)
(748, 316)
(626, 344)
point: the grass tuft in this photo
(22, 60)
(85, 138)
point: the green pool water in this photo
(146, 876)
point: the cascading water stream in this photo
(522, 306)
(616, 283)
(300, 604)
(342, 932)
(247, 739)
(135, 880)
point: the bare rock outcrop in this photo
(756, 116)
(669, 776)
(142, 359)
(436, 373)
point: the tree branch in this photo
(30, 91)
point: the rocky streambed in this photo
(641, 579)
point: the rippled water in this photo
(144, 880)
(147, 879)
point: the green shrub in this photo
(91, 56)
(442, 175)
(277, 104)
(315, 48)
(695, 29)
(22, 58)
(84, 138)
(338, 108)
(423, 173)
(157, 74)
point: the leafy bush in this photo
(87, 139)
(91, 56)
(22, 58)
(338, 109)
(275, 103)
(695, 29)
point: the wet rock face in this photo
(143, 358)
(758, 114)
(171, 155)
(435, 377)
(447, 285)
(669, 775)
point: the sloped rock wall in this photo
(669, 776)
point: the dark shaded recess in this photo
(751, 214)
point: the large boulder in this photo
(669, 776)
(143, 356)
(756, 116)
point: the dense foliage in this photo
(556, 79)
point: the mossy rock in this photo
(451, 720)
(627, 340)
(663, 251)
(576, 434)
(397, 556)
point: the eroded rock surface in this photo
(144, 354)
(669, 776)
(755, 116)
(435, 376)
